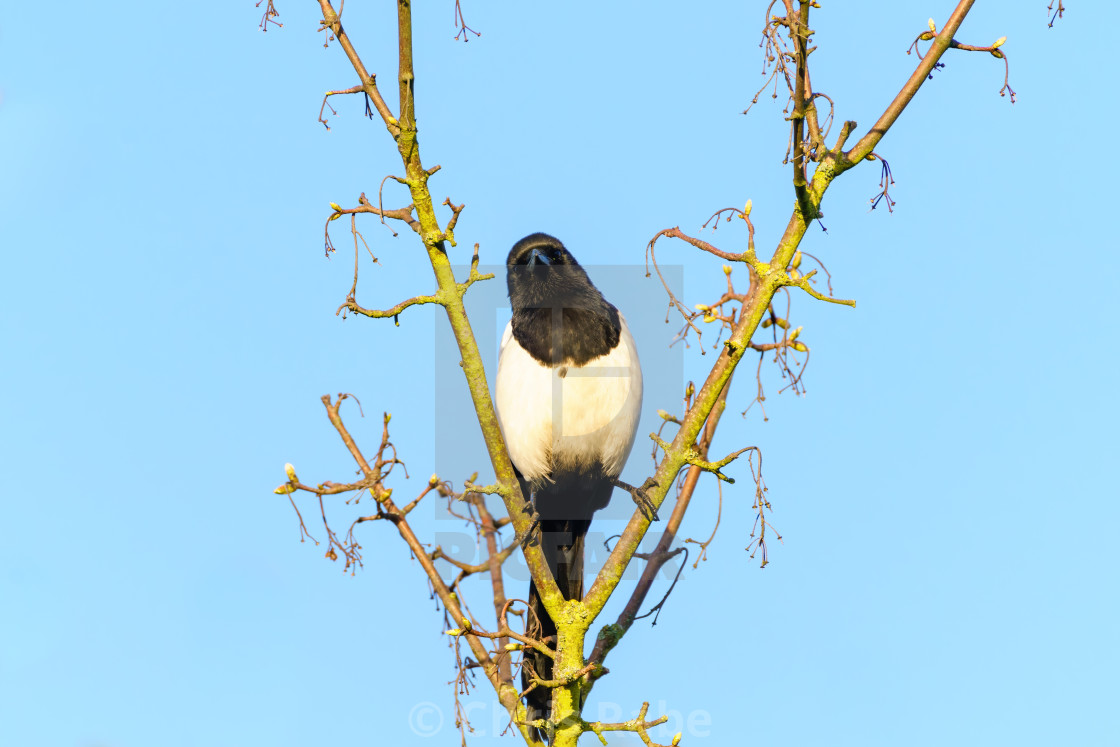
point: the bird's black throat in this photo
(559, 336)
(559, 317)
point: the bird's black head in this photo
(537, 250)
(559, 316)
(541, 272)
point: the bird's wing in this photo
(522, 397)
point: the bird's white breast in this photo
(569, 416)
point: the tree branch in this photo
(609, 636)
(941, 44)
(368, 82)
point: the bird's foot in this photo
(527, 539)
(641, 497)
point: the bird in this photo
(569, 397)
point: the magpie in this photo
(568, 393)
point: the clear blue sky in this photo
(167, 327)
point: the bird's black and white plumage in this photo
(569, 393)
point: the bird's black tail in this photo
(562, 544)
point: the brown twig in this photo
(761, 505)
(703, 554)
(1057, 14)
(325, 105)
(995, 51)
(494, 560)
(461, 24)
(885, 182)
(270, 13)
(890, 115)
(368, 82)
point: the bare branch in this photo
(461, 24)
(941, 43)
(1057, 13)
(270, 13)
(325, 105)
(392, 312)
(803, 283)
(638, 725)
(368, 82)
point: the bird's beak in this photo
(538, 257)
